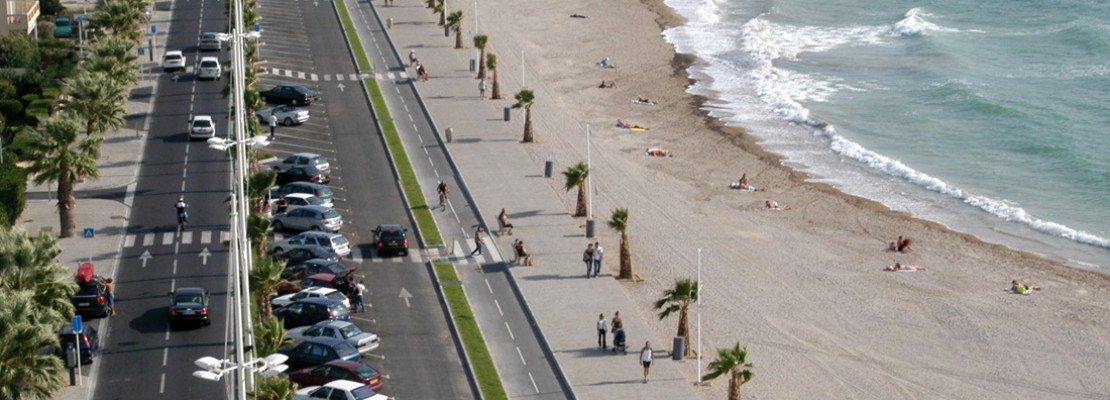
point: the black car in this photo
(302, 174)
(189, 305)
(285, 93)
(302, 254)
(319, 350)
(88, 338)
(91, 299)
(391, 239)
(310, 311)
(315, 266)
(322, 192)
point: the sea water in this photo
(991, 117)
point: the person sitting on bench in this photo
(504, 224)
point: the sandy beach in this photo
(803, 288)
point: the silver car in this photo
(210, 41)
(334, 241)
(309, 218)
(362, 340)
(303, 160)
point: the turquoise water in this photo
(990, 117)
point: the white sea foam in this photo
(914, 24)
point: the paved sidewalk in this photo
(108, 215)
(498, 173)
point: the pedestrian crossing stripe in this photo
(288, 73)
(169, 238)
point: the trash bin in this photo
(590, 224)
(548, 168)
(679, 348)
(446, 31)
(389, 23)
(508, 113)
(473, 65)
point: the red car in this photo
(338, 369)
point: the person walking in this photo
(617, 324)
(477, 241)
(412, 58)
(482, 88)
(273, 124)
(601, 330)
(647, 357)
(588, 258)
(110, 289)
(597, 258)
(356, 296)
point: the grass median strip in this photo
(352, 36)
(409, 183)
(480, 361)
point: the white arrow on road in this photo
(146, 256)
(406, 295)
(341, 87)
(204, 256)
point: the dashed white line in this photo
(489, 287)
(511, 336)
(167, 332)
(165, 355)
(533, 382)
(521, 355)
(162, 386)
(498, 304)
(174, 267)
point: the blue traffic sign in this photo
(88, 233)
(77, 326)
(257, 27)
(153, 29)
(141, 51)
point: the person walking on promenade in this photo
(273, 123)
(588, 258)
(482, 88)
(601, 330)
(647, 357)
(477, 241)
(110, 288)
(597, 258)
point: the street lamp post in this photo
(213, 369)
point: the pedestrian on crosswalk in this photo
(477, 241)
(273, 123)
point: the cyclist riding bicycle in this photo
(182, 216)
(442, 189)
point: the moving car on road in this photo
(310, 311)
(338, 369)
(286, 115)
(211, 41)
(334, 241)
(189, 304)
(339, 390)
(362, 340)
(288, 93)
(209, 68)
(174, 60)
(202, 127)
(390, 239)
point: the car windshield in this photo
(208, 64)
(363, 392)
(365, 372)
(313, 201)
(202, 123)
(331, 214)
(336, 296)
(350, 330)
(62, 23)
(188, 299)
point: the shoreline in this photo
(803, 289)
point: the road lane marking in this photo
(489, 287)
(498, 304)
(128, 240)
(354, 77)
(162, 386)
(167, 238)
(356, 254)
(165, 355)
(167, 332)
(174, 267)
(521, 355)
(338, 77)
(224, 235)
(187, 237)
(206, 237)
(533, 382)
(315, 78)
(511, 336)
(148, 239)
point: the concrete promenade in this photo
(499, 172)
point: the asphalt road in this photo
(143, 357)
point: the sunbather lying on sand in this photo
(657, 152)
(605, 63)
(774, 205)
(1021, 288)
(621, 124)
(898, 267)
(608, 84)
(645, 100)
(579, 16)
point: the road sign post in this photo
(88, 234)
(77, 328)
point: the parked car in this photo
(211, 41)
(286, 115)
(89, 339)
(316, 266)
(310, 311)
(202, 127)
(91, 299)
(309, 218)
(297, 200)
(288, 93)
(302, 254)
(311, 292)
(338, 369)
(63, 27)
(362, 340)
(318, 351)
(343, 285)
(334, 241)
(390, 239)
(339, 390)
(189, 305)
(209, 68)
(174, 60)
(303, 160)
(302, 174)
(321, 192)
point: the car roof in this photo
(334, 323)
(321, 290)
(290, 85)
(319, 261)
(307, 184)
(318, 233)
(299, 195)
(344, 364)
(203, 59)
(322, 301)
(344, 384)
(174, 53)
(213, 34)
(330, 341)
(189, 290)
(388, 227)
(320, 209)
(307, 154)
(322, 277)
(202, 117)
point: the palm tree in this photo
(491, 63)
(27, 373)
(62, 160)
(619, 223)
(265, 278)
(114, 56)
(480, 42)
(455, 23)
(121, 18)
(29, 263)
(576, 177)
(273, 388)
(258, 189)
(96, 100)
(679, 298)
(525, 99)
(441, 8)
(269, 334)
(431, 4)
(258, 229)
(734, 362)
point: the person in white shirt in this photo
(597, 258)
(601, 329)
(647, 357)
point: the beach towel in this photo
(736, 185)
(639, 129)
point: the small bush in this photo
(13, 190)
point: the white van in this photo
(209, 68)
